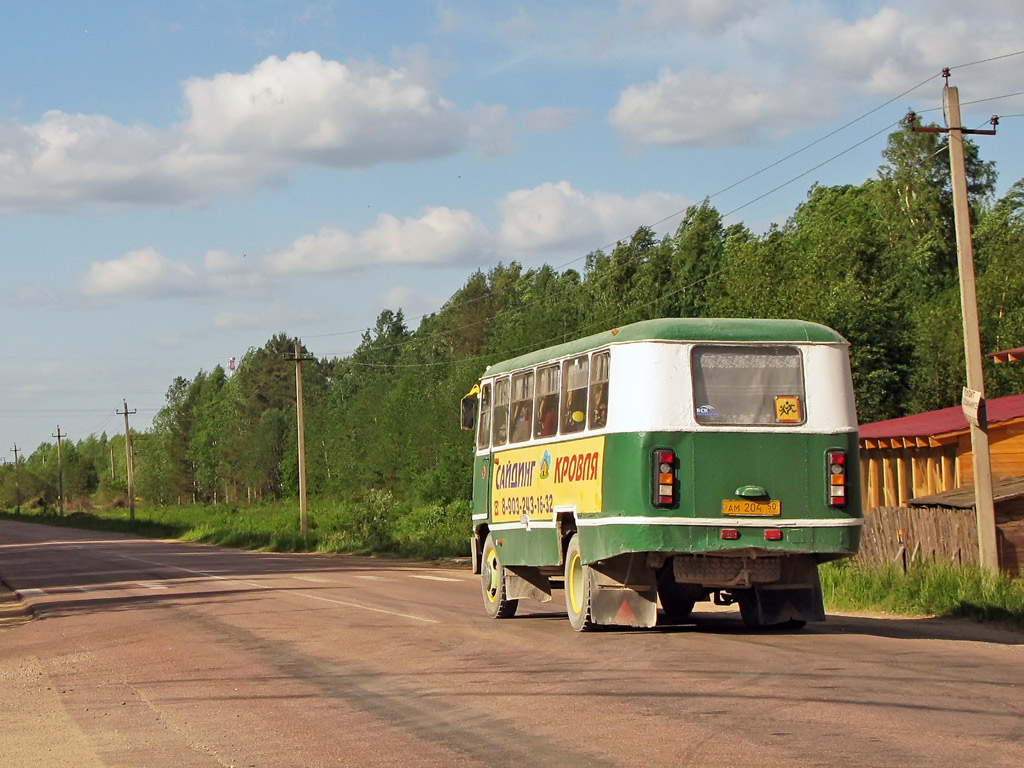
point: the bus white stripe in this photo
(722, 522)
(716, 522)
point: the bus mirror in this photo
(469, 408)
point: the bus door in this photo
(484, 457)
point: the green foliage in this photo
(926, 589)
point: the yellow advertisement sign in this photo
(533, 481)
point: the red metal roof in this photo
(943, 420)
(1007, 355)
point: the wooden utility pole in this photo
(60, 474)
(129, 468)
(298, 358)
(973, 401)
(17, 487)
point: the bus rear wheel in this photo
(492, 581)
(578, 588)
(677, 600)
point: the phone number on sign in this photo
(514, 506)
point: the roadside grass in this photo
(375, 523)
(926, 589)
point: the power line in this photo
(986, 61)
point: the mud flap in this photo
(796, 598)
(526, 582)
(624, 592)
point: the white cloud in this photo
(695, 107)
(896, 46)
(241, 131)
(146, 273)
(769, 69)
(440, 236)
(558, 217)
(307, 109)
(142, 273)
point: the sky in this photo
(181, 181)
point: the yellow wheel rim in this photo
(575, 583)
(491, 561)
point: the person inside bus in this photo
(599, 416)
(547, 416)
(521, 424)
(575, 412)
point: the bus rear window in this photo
(761, 386)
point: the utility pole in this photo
(17, 487)
(973, 401)
(60, 474)
(129, 468)
(298, 358)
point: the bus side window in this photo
(546, 412)
(483, 435)
(522, 406)
(575, 379)
(599, 390)
(499, 430)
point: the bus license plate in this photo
(745, 507)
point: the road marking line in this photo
(431, 578)
(275, 589)
(370, 578)
(314, 579)
(151, 585)
(368, 608)
(33, 592)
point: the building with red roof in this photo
(928, 453)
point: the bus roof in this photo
(728, 329)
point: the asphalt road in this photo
(147, 653)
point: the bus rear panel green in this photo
(712, 467)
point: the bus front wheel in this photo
(578, 588)
(492, 580)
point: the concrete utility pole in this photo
(973, 401)
(298, 358)
(129, 463)
(60, 474)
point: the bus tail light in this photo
(836, 471)
(773, 534)
(730, 534)
(663, 477)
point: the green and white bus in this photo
(671, 461)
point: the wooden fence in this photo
(919, 533)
